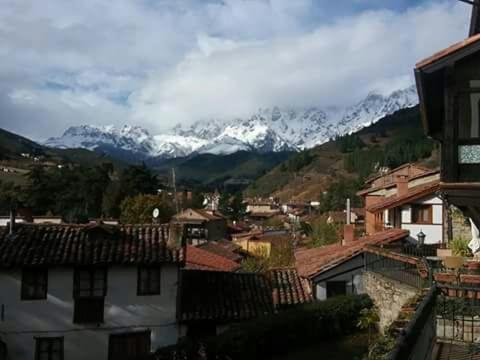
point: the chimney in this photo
(348, 234)
(13, 215)
(402, 184)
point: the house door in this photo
(397, 222)
(129, 346)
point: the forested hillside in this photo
(211, 171)
(347, 160)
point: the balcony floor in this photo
(449, 351)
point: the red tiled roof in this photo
(392, 184)
(227, 296)
(311, 262)
(448, 51)
(224, 248)
(289, 288)
(412, 260)
(223, 296)
(207, 215)
(86, 245)
(200, 259)
(413, 194)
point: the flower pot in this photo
(445, 277)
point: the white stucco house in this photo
(87, 292)
(406, 199)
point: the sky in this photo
(156, 63)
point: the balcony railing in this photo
(402, 268)
(418, 339)
(420, 251)
(449, 316)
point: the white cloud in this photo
(159, 63)
(336, 64)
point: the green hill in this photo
(208, 170)
(19, 154)
(392, 141)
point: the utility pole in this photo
(174, 190)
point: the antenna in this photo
(174, 190)
(155, 215)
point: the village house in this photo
(262, 242)
(405, 198)
(261, 209)
(448, 85)
(337, 269)
(24, 215)
(198, 258)
(201, 225)
(87, 291)
(224, 248)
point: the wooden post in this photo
(449, 145)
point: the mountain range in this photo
(268, 130)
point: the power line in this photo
(109, 328)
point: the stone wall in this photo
(460, 225)
(388, 295)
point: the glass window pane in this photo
(44, 345)
(469, 113)
(469, 154)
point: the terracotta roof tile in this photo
(198, 258)
(448, 51)
(207, 215)
(413, 194)
(86, 245)
(226, 296)
(289, 288)
(311, 262)
(223, 248)
(392, 184)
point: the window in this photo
(422, 214)
(90, 282)
(468, 117)
(336, 288)
(50, 348)
(129, 346)
(148, 280)
(34, 284)
(90, 289)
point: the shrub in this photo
(321, 232)
(460, 247)
(273, 335)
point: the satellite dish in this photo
(156, 213)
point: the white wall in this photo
(352, 268)
(434, 231)
(124, 312)
(357, 288)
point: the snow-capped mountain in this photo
(275, 129)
